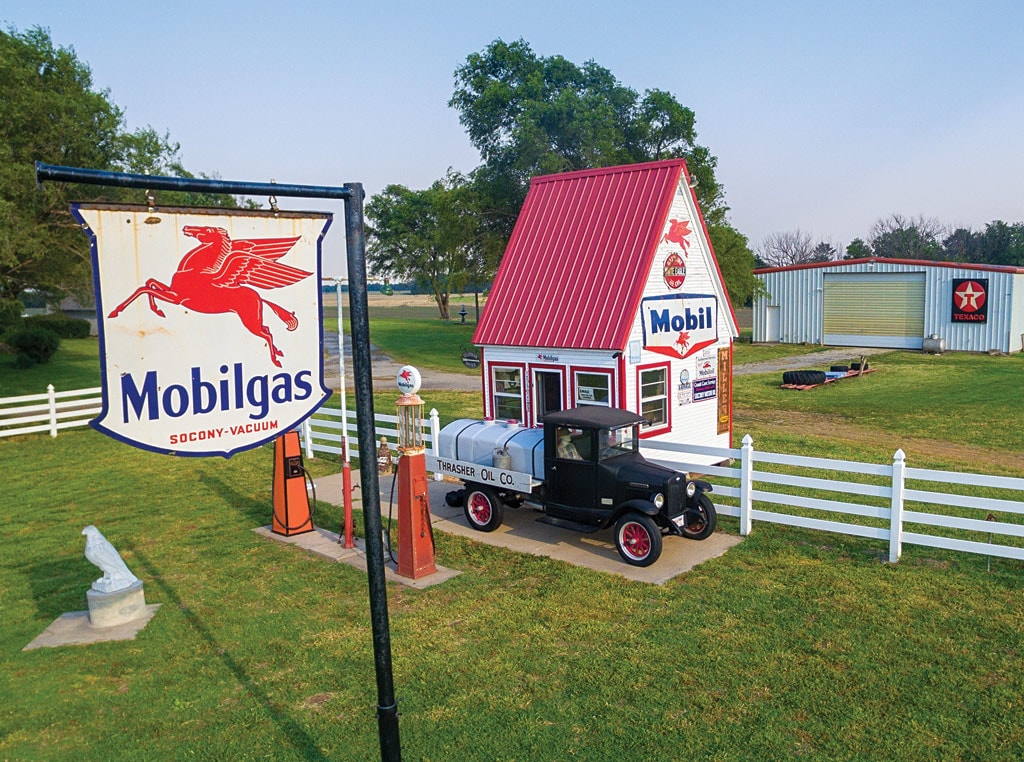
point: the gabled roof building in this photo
(609, 294)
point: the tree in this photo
(429, 236)
(736, 261)
(786, 248)
(51, 112)
(530, 115)
(962, 245)
(857, 249)
(902, 237)
(1002, 244)
(824, 251)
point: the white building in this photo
(898, 303)
(609, 294)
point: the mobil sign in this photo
(209, 324)
(678, 325)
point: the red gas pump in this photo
(291, 501)
(415, 535)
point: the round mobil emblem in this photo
(675, 271)
(969, 296)
(409, 380)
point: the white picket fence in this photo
(890, 502)
(50, 412)
(322, 432)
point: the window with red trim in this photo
(652, 390)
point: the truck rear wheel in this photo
(483, 508)
(638, 539)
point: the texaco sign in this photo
(209, 324)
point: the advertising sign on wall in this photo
(970, 300)
(209, 324)
(679, 325)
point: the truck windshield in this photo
(613, 443)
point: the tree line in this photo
(900, 237)
(50, 111)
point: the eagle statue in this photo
(101, 553)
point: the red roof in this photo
(578, 259)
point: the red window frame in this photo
(667, 426)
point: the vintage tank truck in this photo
(583, 469)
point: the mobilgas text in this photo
(232, 390)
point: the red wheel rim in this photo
(635, 540)
(479, 508)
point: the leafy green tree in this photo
(430, 236)
(962, 245)
(1002, 244)
(51, 112)
(907, 238)
(531, 115)
(736, 261)
(857, 249)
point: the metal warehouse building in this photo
(898, 303)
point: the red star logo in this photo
(969, 296)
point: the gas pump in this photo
(415, 535)
(291, 501)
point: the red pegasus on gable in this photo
(679, 232)
(215, 276)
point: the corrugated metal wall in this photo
(798, 295)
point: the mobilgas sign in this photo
(197, 360)
(678, 325)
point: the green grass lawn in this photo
(794, 644)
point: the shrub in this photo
(10, 314)
(32, 345)
(62, 325)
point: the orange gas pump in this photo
(291, 501)
(415, 535)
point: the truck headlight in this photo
(658, 500)
(691, 489)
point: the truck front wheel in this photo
(699, 522)
(484, 509)
(638, 539)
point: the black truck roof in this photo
(593, 416)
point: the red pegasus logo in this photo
(215, 276)
(406, 375)
(679, 232)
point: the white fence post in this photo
(307, 435)
(435, 430)
(746, 483)
(899, 467)
(52, 400)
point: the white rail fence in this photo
(891, 503)
(49, 412)
(901, 505)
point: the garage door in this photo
(874, 310)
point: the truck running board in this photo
(566, 524)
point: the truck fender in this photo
(702, 486)
(645, 507)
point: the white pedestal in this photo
(120, 607)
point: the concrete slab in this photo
(74, 629)
(521, 532)
(327, 545)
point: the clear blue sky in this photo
(824, 116)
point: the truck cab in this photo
(593, 477)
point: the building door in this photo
(874, 309)
(773, 327)
(547, 393)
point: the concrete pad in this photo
(328, 545)
(74, 629)
(521, 532)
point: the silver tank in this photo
(487, 442)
